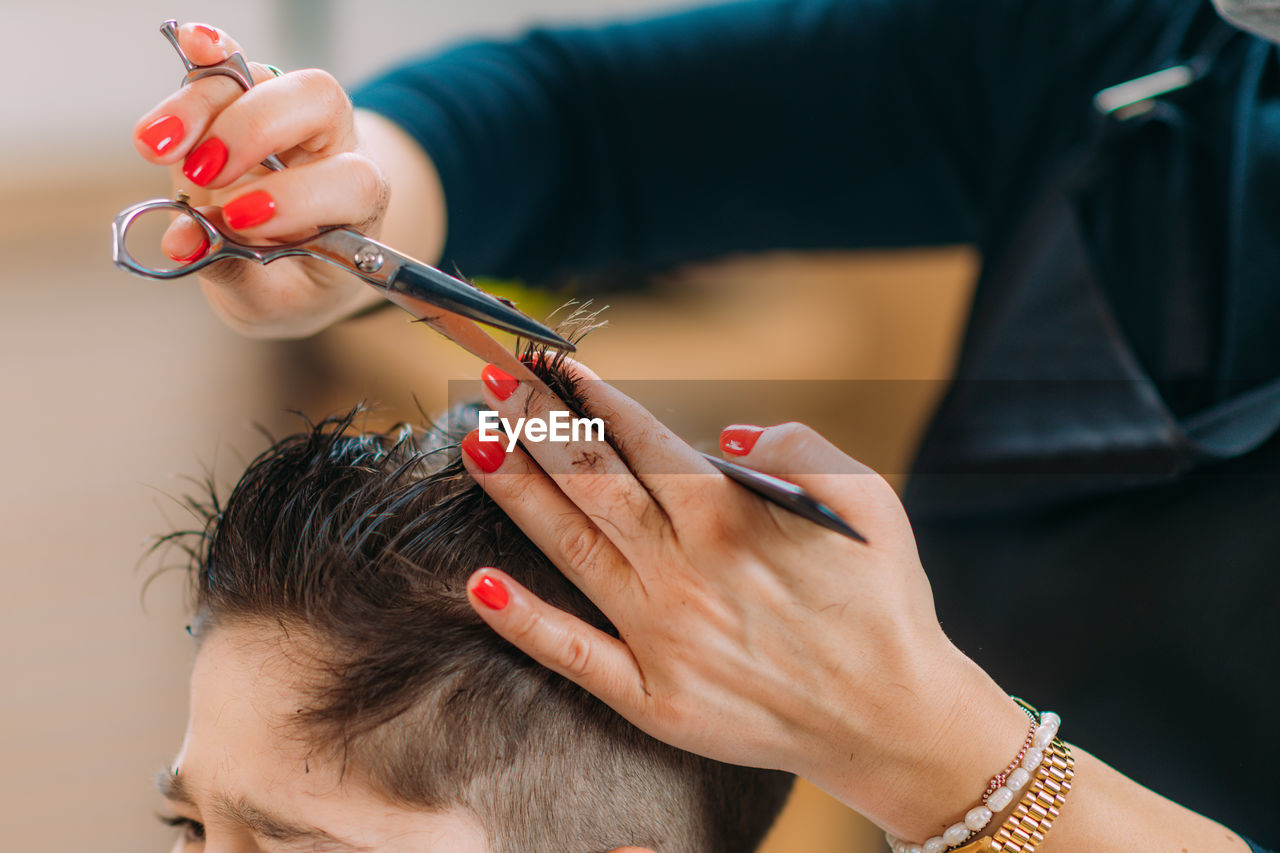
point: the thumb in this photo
(600, 664)
(796, 453)
(204, 44)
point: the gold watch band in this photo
(1025, 828)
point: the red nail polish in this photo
(210, 32)
(205, 162)
(738, 440)
(491, 592)
(487, 454)
(198, 253)
(499, 382)
(249, 210)
(161, 134)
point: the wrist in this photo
(415, 218)
(931, 758)
(973, 740)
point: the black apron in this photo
(1099, 549)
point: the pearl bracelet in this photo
(1000, 791)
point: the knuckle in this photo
(526, 630)
(369, 185)
(574, 655)
(521, 487)
(324, 86)
(256, 125)
(792, 436)
(596, 489)
(212, 95)
(877, 487)
(581, 545)
(614, 495)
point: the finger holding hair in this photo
(596, 662)
(589, 472)
(570, 539)
(639, 487)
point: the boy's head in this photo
(344, 685)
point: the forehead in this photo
(242, 749)
(246, 685)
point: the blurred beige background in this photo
(116, 388)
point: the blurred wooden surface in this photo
(115, 387)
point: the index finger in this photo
(651, 465)
(571, 540)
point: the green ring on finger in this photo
(276, 71)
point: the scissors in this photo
(789, 496)
(447, 304)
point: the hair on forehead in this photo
(363, 542)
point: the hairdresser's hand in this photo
(341, 169)
(748, 634)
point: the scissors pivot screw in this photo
(368, 259)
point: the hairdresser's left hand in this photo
(747, 634)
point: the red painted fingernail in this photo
(162, 133)
(208, 31)
(249, 210)
(738, 440)
(205, 162)
(487, 454)
(198, 253)
(499, 382)
(491, 592)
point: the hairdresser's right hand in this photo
(213, 136)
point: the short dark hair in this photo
(363, 542)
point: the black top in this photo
(1098, 500)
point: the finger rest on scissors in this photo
(234, 66)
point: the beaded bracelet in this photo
(999, 779)
(1000, 790)
(1033, 817)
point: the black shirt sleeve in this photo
(805, 123)
(756, 125)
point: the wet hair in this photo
(363, 543)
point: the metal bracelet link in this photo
(1025, 829)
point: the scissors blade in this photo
(393, 272)
(468, 335)
(431, 285)
(789, 496)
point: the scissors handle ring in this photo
(327, 245)
(219, 246)
(234, 66)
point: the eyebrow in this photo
(173, 787)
